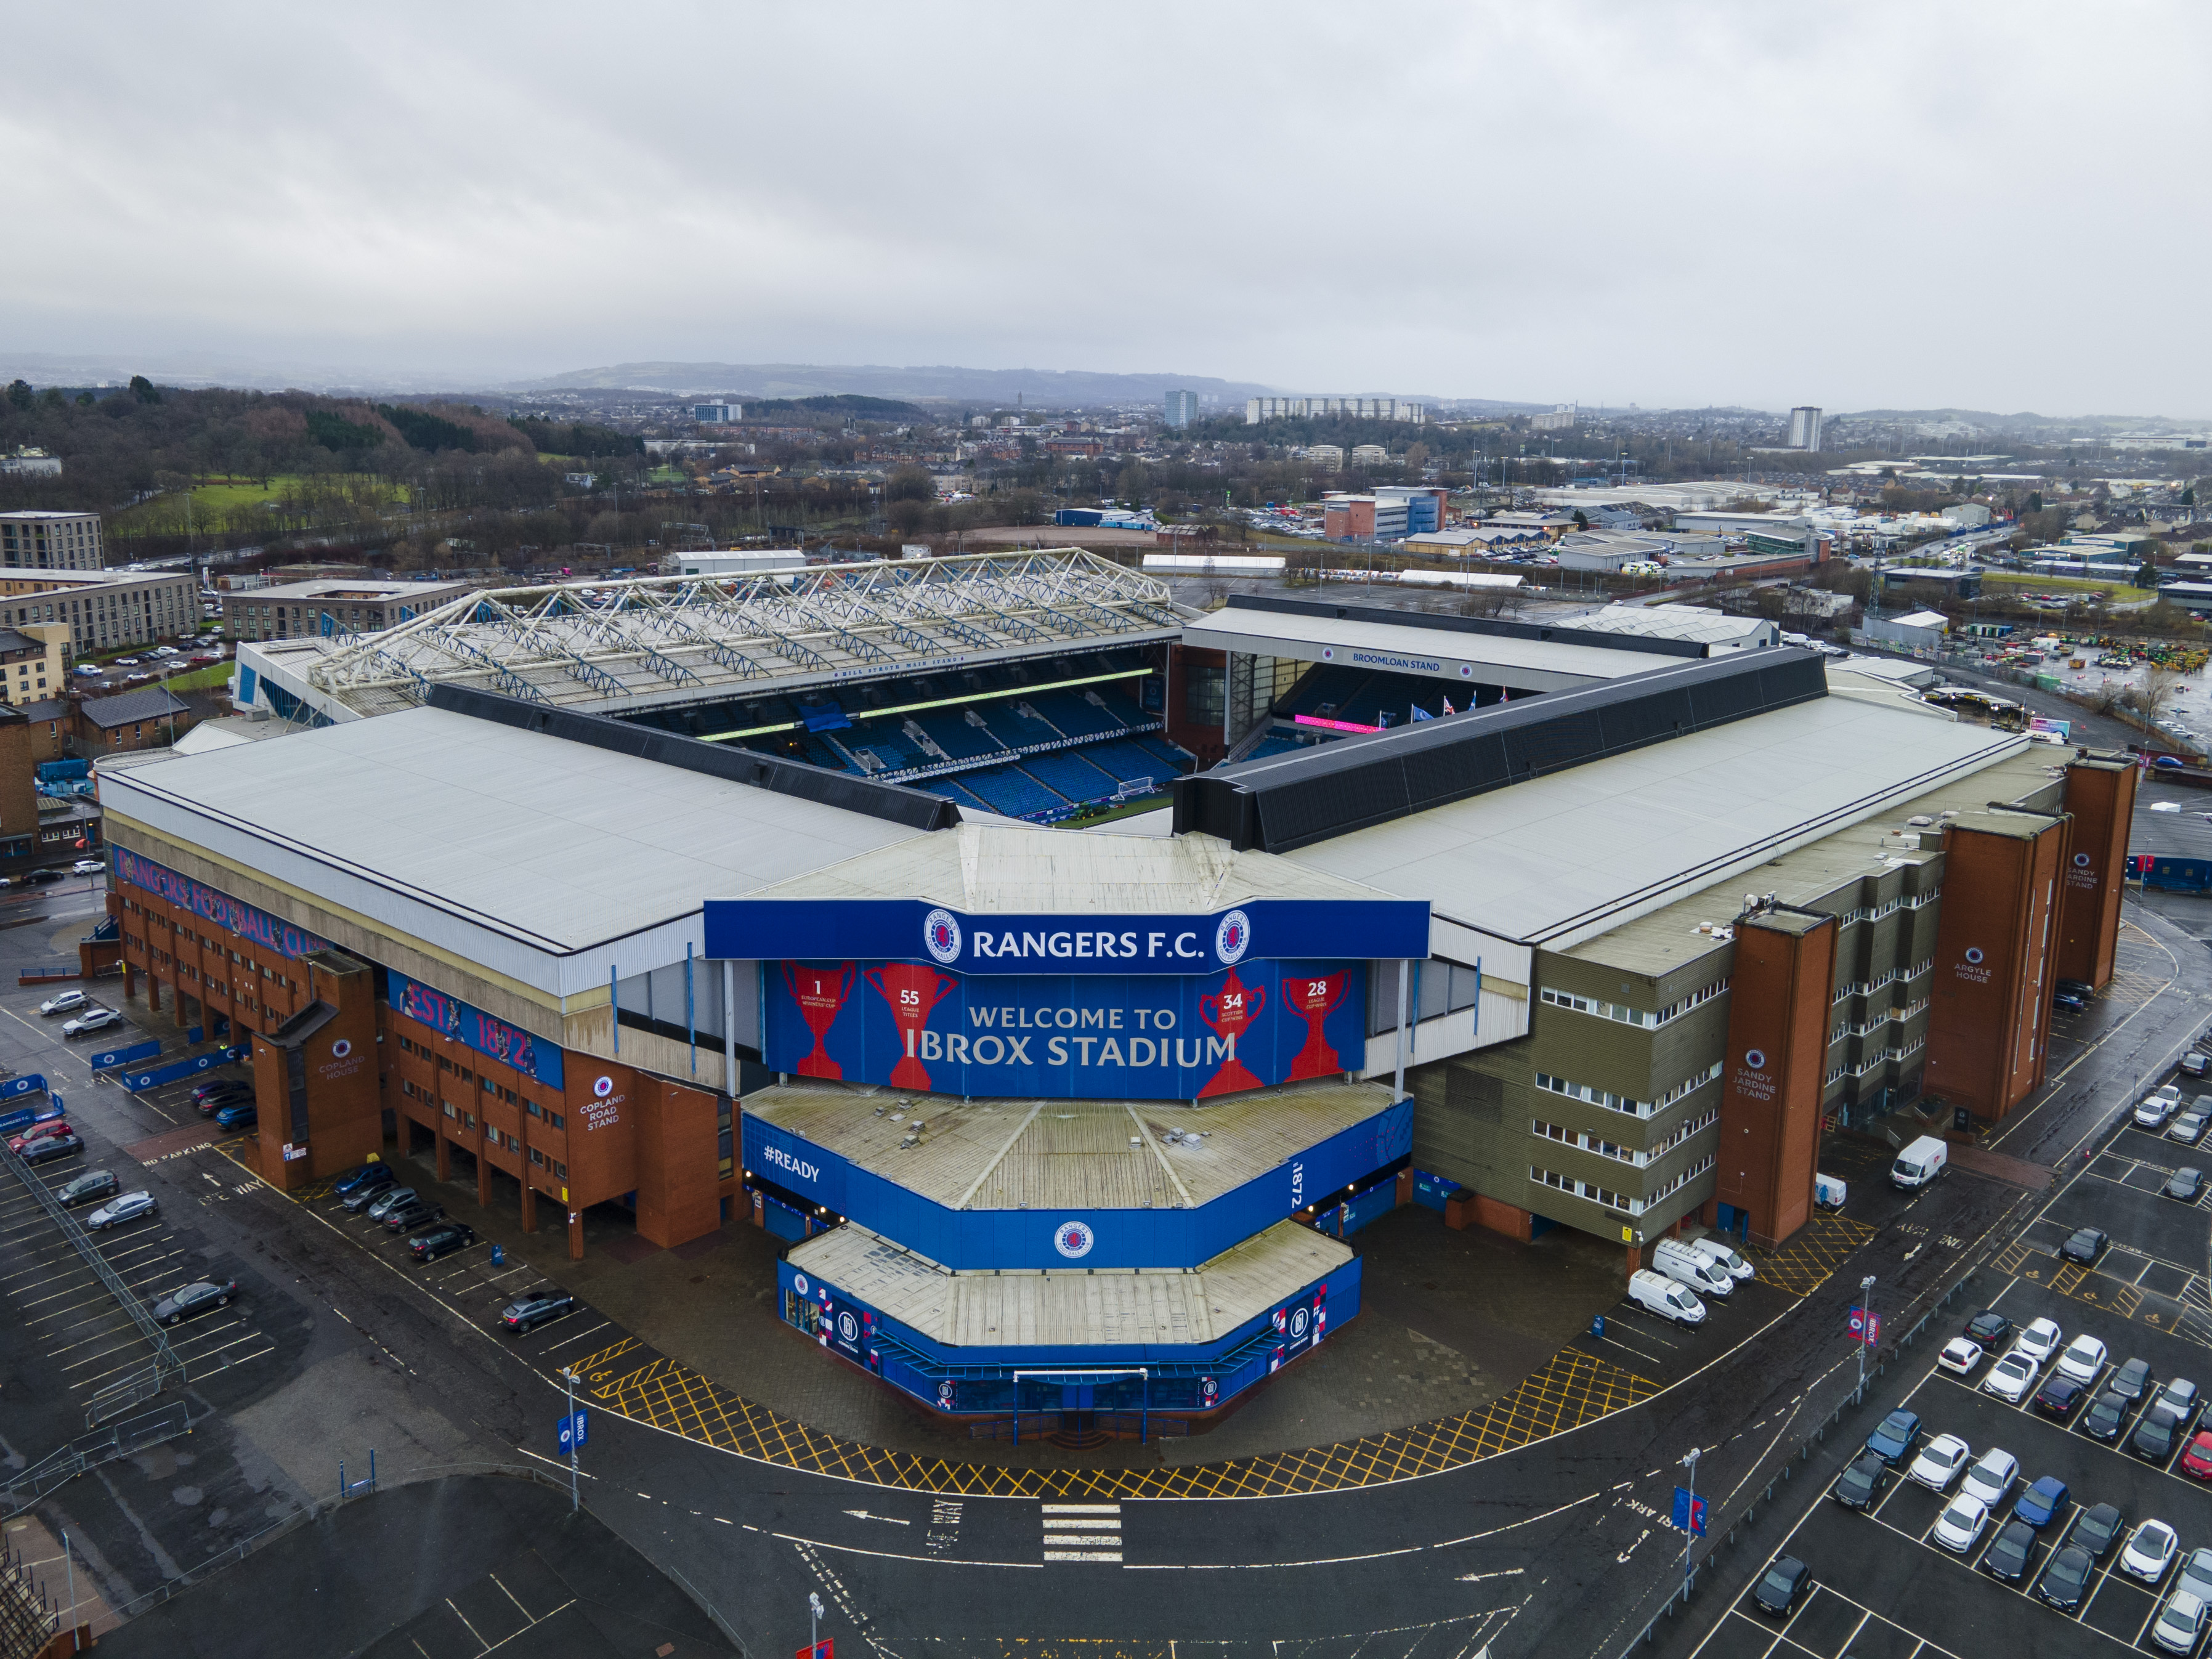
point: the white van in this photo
(1919, 1163)
(1678, 1260)
(1828, 1192)
(1663, 1297)
(1715, 1252)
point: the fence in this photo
(135, 1081)
(167, 1367)
(90, 1451)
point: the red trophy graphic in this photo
(913, 991)
(1312, 1001)
(1229, 1013)
(820, 993)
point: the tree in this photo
(85, 400)
(2148, 576)
(1417, 459)
(1581, 520)
(1132, 484)
(144, 390)
(20, 394)
(910, 483)
(2160, 687)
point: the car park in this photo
(1988, 1328)
(411, 1213)
(1895, 1438)
(1991, 1476)
(2084, 1357)
(94, 1019)
(1959, 1357)
(2106, 1416)
(441, 1241)
(2188, 1129)
(242, 1116)
(130, 1207)
(194, 1299)
(2185, 1184)
(1781, 1583)
(2011, 1377)
(2014, 1551)
(1940, 1461)
(90, 1188)
(2039, 1338)
(2180, 1622)
(2150, 1550)
(2066, 1580)
(2098, 1528)
(1860, 1484)
(2084, 1245)
(53, 1146)
(62, 1002)
(2058, 1397)
(548, 1302)
(390, 1199)
(2131, 1381)
(1960, 1526)
(2042, 1502)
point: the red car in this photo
(2196, 1461)
(52, 1125)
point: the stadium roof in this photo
(657, 641)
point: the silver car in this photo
(391, 1199)
(130, 1206)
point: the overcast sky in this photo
(1996, 206)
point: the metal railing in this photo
(166, 1368)
(89, 1452)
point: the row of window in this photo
(499, 1138)
(1680, 1181)
(1874, 1061)
(1618, 1201)
(490, 1085)
(1867, 987)
(1603, 1148)
(1612, 1103)
(1627, 1016)
(1894, 1015)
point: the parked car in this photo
(2098, 1529)
(88, 867)
(38, 1132)
(244, 1114)
(2188, 1129)
(94, 1019)
(2066, 1580)
(217, 1086)
(2180, 1622)
(548, 1302)
(2195, 1574)
(2151, 1549)
(1895, 1438)
(1959, 1357)
(90, 1187)
(130, 1206)
(2152, 1110)
(2084, 1245)
(1960, 1525)
(2106, 1416)
(1940, 1461)
(2196, 1063)
(2155, 1436)
(2039, 1338)
(2011, 1377)
(2083, 1359)
(1857, 1486)
(1992, 1476)
(2014, 1551)
(231, 1094)
(370, 1176)
(53, 1146)
(1987, 1327)
(389, 1199)
(1718, 1255)
(2131, 1381)
(2043, 1502)
(62, 1002)
(2177, 1396)
(2065, 1003)
(2058, 1397)
(412, 1213)
(2185, 1183)
(367, 1190)
(441, 1241)
(1663, 1297)
(194, 1299)
(1781, 1583)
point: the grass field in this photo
(218, 501)
(2064, 585)
(200, 679)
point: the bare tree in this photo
(2160, 687)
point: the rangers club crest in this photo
(940, 936)
(1073, 1239)
(1232, 937)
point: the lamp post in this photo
(576, 1498)
(1866, 1324)
(813, 1624)
(1690, 1528)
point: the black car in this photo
(2085, 1245)
(51, 1147)
(548, 1302)
(195, 1298)
(372, 1175)
(415, 1213)
(2106, 1416)
(441, 1241)
(2131, 1381)
(40, 878)
(1857, 1486)
(2098, 1528)
(2013, 1553)
(2186, 1183)
(2058, 1397)
(1990, 1329)
(1781, 1583)
(2154, 1437)
(216, 1098)
(90, 1187)
(2066, 1580)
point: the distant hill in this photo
(1046, 387)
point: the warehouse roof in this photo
(1677, 622)
(151, 704)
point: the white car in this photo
(2083, 1359)
(126, 662)
(1721, 1256)
(97, 1020)
(166, 651)
(1959, 1526)
(2039, 1340)
(62, 1002)
(1960, 1356)
(87, 868)
(2180, 1622)
(1991, 1479)
(1940, 1461)
(2152, 1113)
(2149, 1551)
(2012, 1377)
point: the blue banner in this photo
(451, 1017)
(1066, 1036)
(220, 909)
(185, 1068)
(108, 1057)
(34, 1085)
(915, 930)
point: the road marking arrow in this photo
(862, 1515)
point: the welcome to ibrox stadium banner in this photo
(769, 930)
(913, 1026)
(218, 908)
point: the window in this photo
(1612, 1103)
(1628, 1016)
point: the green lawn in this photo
(200, 679)
(236, 501)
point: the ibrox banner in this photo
(1089, 942)
(913, 1026)
(451, 1017)
(218, 908)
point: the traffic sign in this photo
(1689, 1512)
(572, 1432)
(824, 1649)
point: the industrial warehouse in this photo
(710, 900)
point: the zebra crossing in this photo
(1083, 1532)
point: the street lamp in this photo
(813, 1625)
(1690, 1520)
(1866, 1324)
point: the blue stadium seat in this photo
(949, 730)
(1010, 790)
(1072, 775)
(1074, 714)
